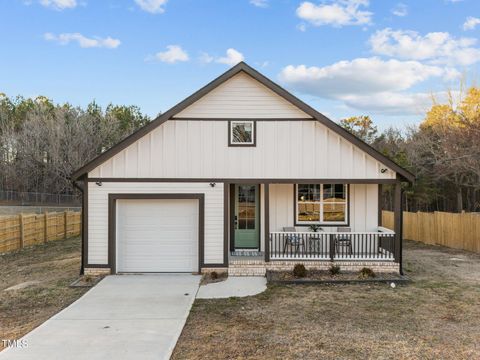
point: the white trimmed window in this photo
(242, 133)
(321, 204)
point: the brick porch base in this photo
(259, 267)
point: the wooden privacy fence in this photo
(455, 230)
(19, 231)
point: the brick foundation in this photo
(259, 268)
(96, 271)
(207, 270)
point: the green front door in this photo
(246, 216)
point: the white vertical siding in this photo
(98, 215)
(363, 207)
(281, 206)
(242, 97)
(295, 149)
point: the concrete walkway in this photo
(234, 286)
(123, 317)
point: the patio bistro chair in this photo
(343, 240)
(292, 240)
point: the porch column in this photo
(266, 213)
(380, 203)
(398, 215)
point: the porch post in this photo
(398, 215)
(266, 213)
(380, 203)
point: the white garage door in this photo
(157, 235)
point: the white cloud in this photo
(370, 84)
(400, 10)
(206, 58)
(259, 3)
(173, 54)
(83, 41)
(471, 23)
(59, 4)
(302, 27)
(436, 47)
(152, 6)
(233, 57)
(337, 13)
(392, 103)
(359, 76)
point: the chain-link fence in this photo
(37, 198)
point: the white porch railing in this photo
(324, 245)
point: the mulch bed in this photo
(324, 277)
(86, 281)
(213, 277)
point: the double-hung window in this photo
(321, 204)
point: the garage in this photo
(157, 235)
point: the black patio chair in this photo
(293, 240)
(343, 241)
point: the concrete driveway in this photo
(123, 317)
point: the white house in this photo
(232, 178)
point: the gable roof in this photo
(242, 67)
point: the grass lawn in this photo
(52, 267)
(435, 317)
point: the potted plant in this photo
(314, 227)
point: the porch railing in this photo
(378, 245)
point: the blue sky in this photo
(344, 57)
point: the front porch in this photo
(319, 251)
(354, 240)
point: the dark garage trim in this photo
(112, 236)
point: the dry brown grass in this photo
(54, 265)
(435, 317)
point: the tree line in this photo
(443, 152)
(42, 143)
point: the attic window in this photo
(242, 133)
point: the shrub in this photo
(299, 271)
(334, 270)
(214, 275)
(367, 273)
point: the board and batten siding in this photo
(363, 207)
(296, 149)
(242, 97)
(98, 214)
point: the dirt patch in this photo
(449, 264)
(48, 270)
(436, 316)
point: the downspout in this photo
(80, 186)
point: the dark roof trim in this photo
(405, 174)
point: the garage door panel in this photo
(157, 235)
(157, 220)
